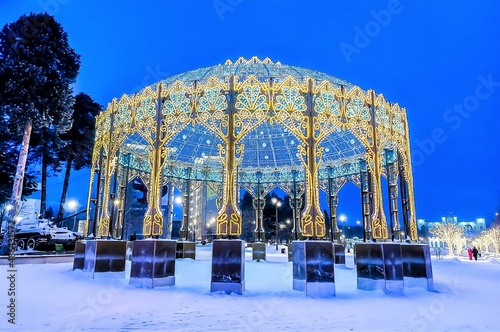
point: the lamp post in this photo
(343, 219)
(288, 222)
(276, 204)
(72, 204)
(116, 206)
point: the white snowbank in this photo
(55, 298)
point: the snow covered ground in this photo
(52, 297)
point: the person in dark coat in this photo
(474, 253)
(133, 237)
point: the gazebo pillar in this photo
(313, 221)
(392, 183)
(228, 272)
(186, 206)
(186, 248)
(258, 247)
(110, 163)
(379, 222)
(296, 204)
(258, 204)
(365, 201)
(153, 220)
(333, 201)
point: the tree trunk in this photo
(17, 189)
(43, 192)
(60, 213)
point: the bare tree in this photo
(452, 234)
(481, 242)
(492, 237)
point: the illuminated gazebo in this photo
(255, 125)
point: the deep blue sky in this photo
(426, 55)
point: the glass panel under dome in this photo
(341, 145)
(192, 143)
(270, 146)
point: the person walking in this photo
(474, 253)
(469, 252)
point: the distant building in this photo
(471, 228)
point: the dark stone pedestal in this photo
(417, 267)
(79, 258)
(393, 267)
(105, 256)
(379, 266)
(186, 250)
(228, 266)
(258, 251)
(313, 267)
(152, 263)
(339, 253)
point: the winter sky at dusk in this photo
(438, 59)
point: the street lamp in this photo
(72, 204)
(116, 224)
(276, 204)
(343, 219)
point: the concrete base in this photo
(186, 250)
(417, 265)
(79, 258)
(153, 263)
(258, 251)
(228, 266)
(104, 256)
(339, 253)
(313, 268)
(379, 266)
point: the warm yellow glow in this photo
(309, 109)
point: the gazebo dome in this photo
(270, 145)
(263, 69)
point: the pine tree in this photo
(37, 68)
(79, 141)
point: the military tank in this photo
(44, 235)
